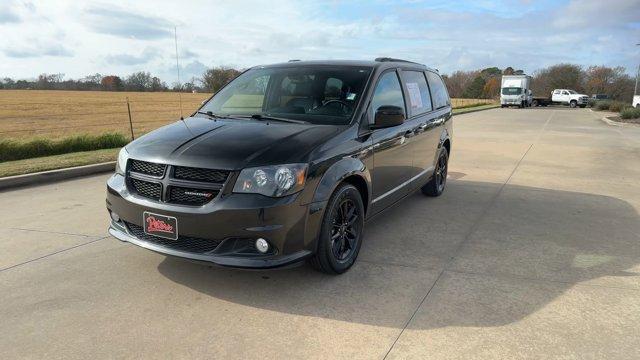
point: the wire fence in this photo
(25, 115)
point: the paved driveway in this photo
(532, 252)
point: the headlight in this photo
(274, 181)
(121, 165)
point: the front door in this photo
(392, 157)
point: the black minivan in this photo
(285, 163)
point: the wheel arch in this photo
(445, 141)
(350, 170)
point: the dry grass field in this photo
(25, 114)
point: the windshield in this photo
(316, 94)
(511, 91)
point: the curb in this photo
(50, 176)
(475, 110)
(611, 122)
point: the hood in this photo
(230, 144)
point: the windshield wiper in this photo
(212, 115)
(272, 118)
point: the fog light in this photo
(262, 245)
(114, 217)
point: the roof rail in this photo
(388, 59)
(293, 60)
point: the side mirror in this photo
(388, 116)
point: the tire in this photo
(437, 183)
(339, 244)
(573, 104)
(534, 103)
(502, 106)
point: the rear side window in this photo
(388, 92)
(418, 92)
(438, 90)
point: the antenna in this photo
(175, 37)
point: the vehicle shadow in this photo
(550, 237)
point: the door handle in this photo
(421, 128)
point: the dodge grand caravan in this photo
(285, 163)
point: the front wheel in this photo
(435, 186)
(341, 231)
(573, 104)
(534, 103)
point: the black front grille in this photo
(189, 196)
(183, 243)
(147, 168)
(147, 189)
(197, 174)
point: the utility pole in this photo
(175, 37)
(635, 91)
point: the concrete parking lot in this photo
(532, 252)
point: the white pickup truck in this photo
(562, 97)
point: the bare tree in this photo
(138, 81)
(561, 76)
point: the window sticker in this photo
(414, 95)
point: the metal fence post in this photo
(130, 121)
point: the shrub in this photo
(630, 113)
(617, 106)
(603, 105)
(15, 150)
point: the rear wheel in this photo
(435, 186)
(341, 231)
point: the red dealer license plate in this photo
(160, 225)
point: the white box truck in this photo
(515, 91)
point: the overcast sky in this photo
(78, 38)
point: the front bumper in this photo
(511, 101)
(290, 227)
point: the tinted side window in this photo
(388, 92)
(418, 92)
(438, 90)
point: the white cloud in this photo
(122, 37)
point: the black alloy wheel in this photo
(341, 232)
(344, 231)
(435, 186)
